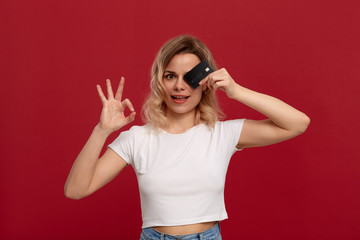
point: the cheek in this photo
(167, 86)
(198, 95)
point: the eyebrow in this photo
(168, 71)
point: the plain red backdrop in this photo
(305, 52)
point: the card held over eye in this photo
(198, 73)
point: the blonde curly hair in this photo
(153, 110)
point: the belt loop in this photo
(162, 236)
(201, 236)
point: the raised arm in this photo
(284, 122)
(89, 172)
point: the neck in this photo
(179, 123)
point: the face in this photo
(180, 97)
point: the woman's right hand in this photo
(112, 116)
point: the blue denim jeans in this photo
(213, 233)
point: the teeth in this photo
(179, 97)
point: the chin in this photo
(180, 111)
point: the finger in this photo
(209, 83)
(127, 103)
(131, 117)
(109, 89)
(204, 81)
(216, 85)
(220, 84)
(101, 94)
(120, 89)
(215, 77)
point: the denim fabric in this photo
(213, 233)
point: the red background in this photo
(305, 52)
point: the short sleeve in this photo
(232, 129)
(123, 146)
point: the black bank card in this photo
(198, 73)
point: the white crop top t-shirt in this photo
(181, 177)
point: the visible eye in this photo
(169, 76)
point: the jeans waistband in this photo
(211, 233)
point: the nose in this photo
(180, 84)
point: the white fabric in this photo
(181, 177)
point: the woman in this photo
(181, 155)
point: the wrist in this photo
(235, 92)
(101, 131)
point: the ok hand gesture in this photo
(112, 116)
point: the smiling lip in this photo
(179, 98)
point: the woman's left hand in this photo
(220, 79)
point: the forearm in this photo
(83, 169)
(280, 113)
